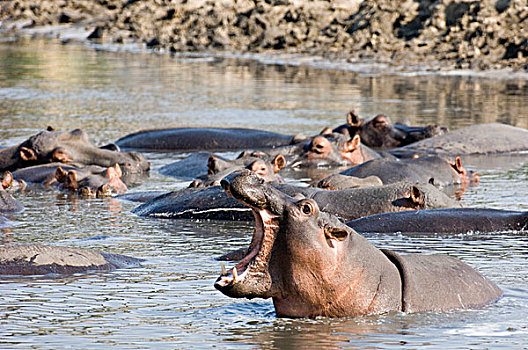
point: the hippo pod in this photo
(68, 147)
(89, 181)
(213, 203)
(313, 265)
(41, 259)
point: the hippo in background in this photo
(36, 259)
(213, 203)
(428, 169)
(490, 138)
(443, 221)
(381, 133)
(210, 139)
(68, 147)
(257, 162)
(8, 204)
(328, 151)
(88, 181)
(342, 182)
(311, 264)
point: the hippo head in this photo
(260, 163)
(73, 146)
(380, 132)
(330, 149)
(92, 181)
(309, 262)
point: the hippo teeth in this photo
(259, 250)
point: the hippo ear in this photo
(298, 138)
(417, 196)
(353, 143)
(27, 154)
(212, 165)
(7, 179)
(339, 234)
(242, 154)
(279, 162)
(326, 131)
(60, 155)
(50, 128)
(60, 175)
(353, 119)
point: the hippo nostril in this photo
(225, 184)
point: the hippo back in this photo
(441, 283)
(40, 260)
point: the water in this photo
(170, 302)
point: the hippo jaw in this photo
(250, 278)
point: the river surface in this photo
(170, 302)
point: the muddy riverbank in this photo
(442, 35)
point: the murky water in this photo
(170, 302)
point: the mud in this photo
(440, 35)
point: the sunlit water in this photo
(170, 302)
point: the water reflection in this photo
(169, 302)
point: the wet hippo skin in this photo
(66, 147)
(381, 133)
(311, 264)
(36, 259)
(192, 139)
(475, 139)
(213, 203)
(447, 221)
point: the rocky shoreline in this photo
(407, 35)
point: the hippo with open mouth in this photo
(312, 264)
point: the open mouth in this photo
(250, 277)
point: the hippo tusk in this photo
(235, 275)
(224, 271)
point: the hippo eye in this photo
(307, 207)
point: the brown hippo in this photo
(381, 133)
(36, 259)
(67, 147)
(90, 180)
(313, 265)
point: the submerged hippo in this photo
(90, 181)
(212, 139)
(67, 147)
(7, 202)
(443, 221)
(313, 265)
(381, 133)
(428, 169)
(41, 259)
(213, 203)
(475, 139)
